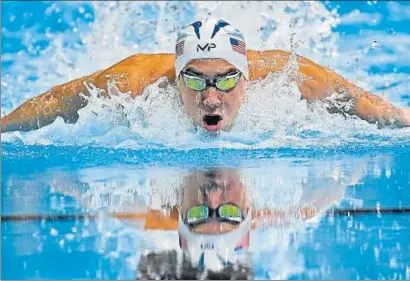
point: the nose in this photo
(214, 198)
(212, 99)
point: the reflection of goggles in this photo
(215, 251)
(223, 83)
(201, 213)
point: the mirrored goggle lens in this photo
(230, 212)
(197, 214)
(228, 82)
(195, 83)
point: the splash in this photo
(284, 185)
(273, 116)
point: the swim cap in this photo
(211, 39)
(215, 251)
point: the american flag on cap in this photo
(179, 48)
(238, 46)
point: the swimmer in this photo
(216, 214)
(214, 211)
(211, 67)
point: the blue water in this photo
(35, 180)
(101, 167)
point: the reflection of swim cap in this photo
(211, 39)
(215, 251)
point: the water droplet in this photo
(54, 232)
(69, 236)
(393, 262)
(61, 243)
(375, 44)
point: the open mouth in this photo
(212, 122)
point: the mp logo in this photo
(208, 47)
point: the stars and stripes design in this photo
(238, 46)
(179, 48)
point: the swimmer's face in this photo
(212, 109)
(214, 188)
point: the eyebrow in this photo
(194, 71)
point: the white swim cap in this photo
(211, 39)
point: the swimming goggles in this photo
(201, 213)
(223, 83)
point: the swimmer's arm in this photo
(152, 219)
(62, 100)
(312, 203)
(131, 76)
(320, 83)
(274, 217)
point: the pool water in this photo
(75, 196)
(61, 216)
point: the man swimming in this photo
(217, 211)
(214, 210)
(211, 67)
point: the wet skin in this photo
(211, 108)
(214, 188)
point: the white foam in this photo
(273, 116)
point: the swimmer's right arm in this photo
(62, 100)
(131, 76)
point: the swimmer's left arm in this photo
(274, 217)
(320, 83)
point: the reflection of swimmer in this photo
(214, 220)
(215, 187)
(212, 67)
(215, 217)
(214, 211)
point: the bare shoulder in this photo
(134, 73)
(276, 60)
(261, 63)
